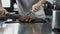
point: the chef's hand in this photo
(36, 7)
(25, 19)
(3, 11)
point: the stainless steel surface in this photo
(56, 19)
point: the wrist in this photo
(39, 3)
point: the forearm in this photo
(0, 4)
(41, 2)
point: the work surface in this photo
(12, 28)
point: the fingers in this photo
(30, 20)
(26, 19)
(35, 8)
(3, 11)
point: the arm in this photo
(2, 10)
(0, 4)
(41, 2)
